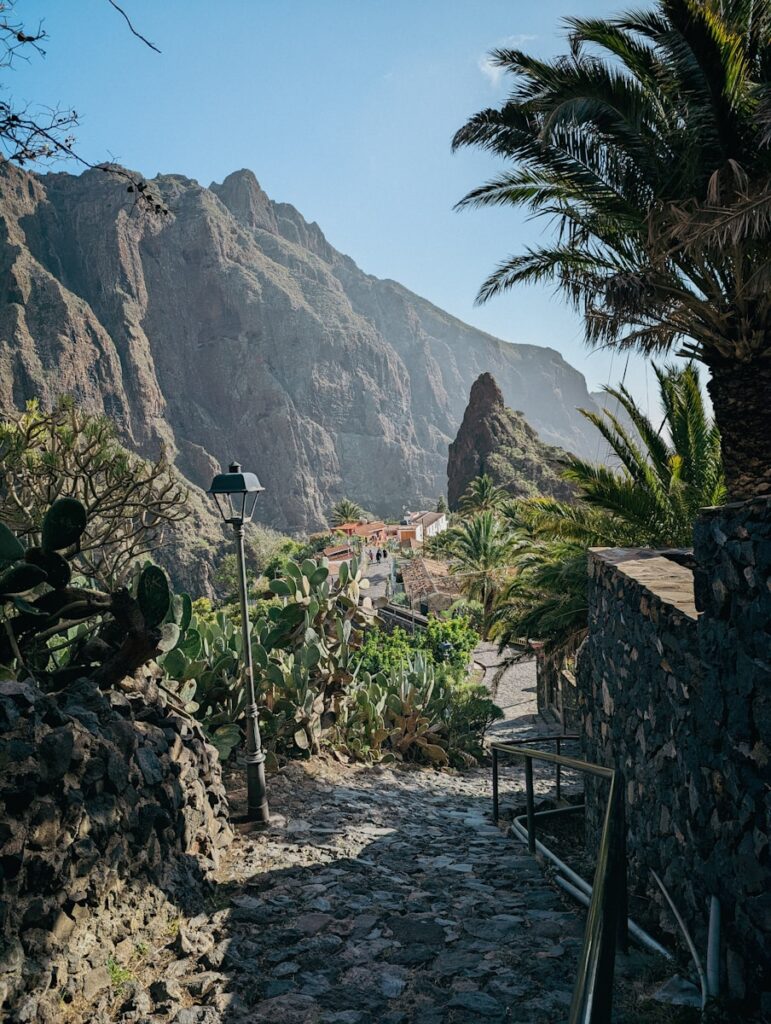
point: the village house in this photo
(430, 524)
(429, 585)
(369, 533)
(418, 527)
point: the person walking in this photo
(377, 556)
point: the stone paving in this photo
(378, 574)
(380, 894)
(386, 895)
(510, 678)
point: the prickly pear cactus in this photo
(57, 631)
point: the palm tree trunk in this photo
(487, 609)
(741, 399)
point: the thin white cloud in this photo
(491, 71)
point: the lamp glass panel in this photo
(222, 506)
(250, 506)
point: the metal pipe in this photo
(256, 787)
(641, 938)
(688, 939)
(713, 949)
(579, 885)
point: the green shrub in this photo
(450, 639)
(325, 680)
(383, 651)
(445, 640)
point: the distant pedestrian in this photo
(377, 556)
(385, 553)
(371, 555)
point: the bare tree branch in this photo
(128, 22)
(31, 135)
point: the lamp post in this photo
(236, 495)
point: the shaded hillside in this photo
(494, 440)
(232, 329)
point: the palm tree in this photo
(545, 597)
(666, 475)
(481, 553)
(346, 511)
(482, 495)
(663, 481)
(653, 121)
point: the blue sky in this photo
(345, 108)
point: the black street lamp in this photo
(236, 495)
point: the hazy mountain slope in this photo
(231, 328)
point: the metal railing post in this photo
(530, 804)
(619, 846)
(606, 922)
(495, 785)
(559, 770)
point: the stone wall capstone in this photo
(112, 815)
(679, 702)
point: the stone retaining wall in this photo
(112, 813)
(680, 703)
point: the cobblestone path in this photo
(384, 895)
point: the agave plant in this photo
(416, 712)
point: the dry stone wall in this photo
(675, 692)
(112, 815)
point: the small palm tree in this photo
(647, 144)
(545, 596)
(480, 553)
(482, 495)
(346, 511)
(663, 481)
(666, 475)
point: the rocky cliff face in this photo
(494, 440)
(232, 329)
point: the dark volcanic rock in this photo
(233, 329)
(85, 874)
(494, 440)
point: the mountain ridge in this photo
(233, 329)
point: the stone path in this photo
(381, 894)
(510, 678)
(389, 896)
(377, 574)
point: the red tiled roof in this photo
(368, 529)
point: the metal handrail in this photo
(606, 923)
(554, 738)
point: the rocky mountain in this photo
(232, 329)
(494, 440)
